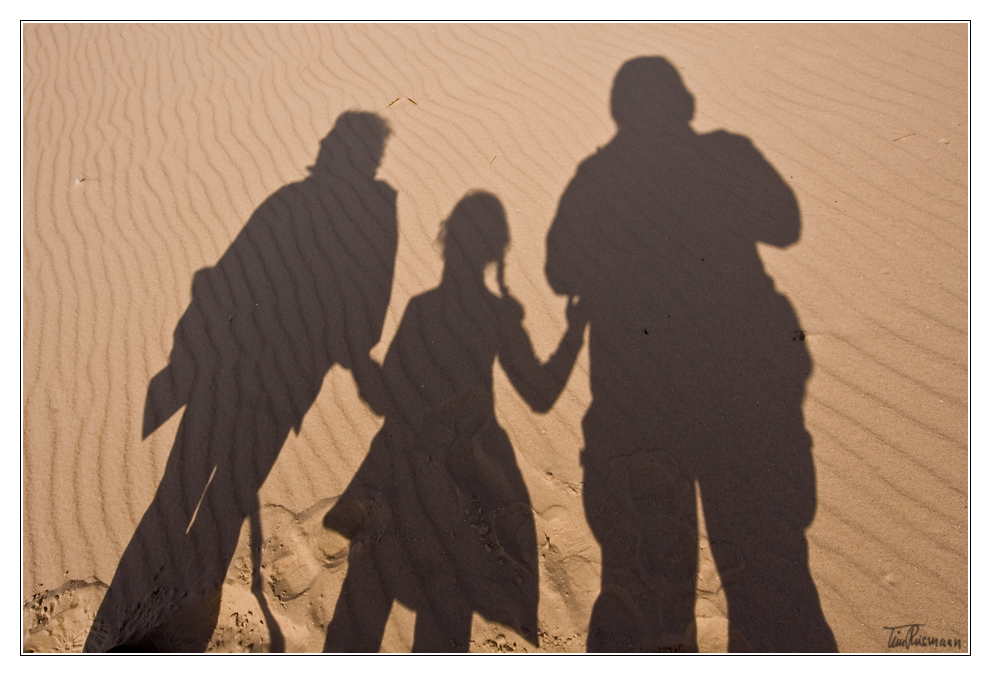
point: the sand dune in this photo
(149, 151)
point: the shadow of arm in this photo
(768, 210)
(368, 377)
(166, 395)
(540, 385)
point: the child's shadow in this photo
(438, 514)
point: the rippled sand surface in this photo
(147, 148)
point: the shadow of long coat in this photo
(304, 285)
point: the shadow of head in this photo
(356, 144)
(475, 234)
(649, 95)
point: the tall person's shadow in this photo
(305, 285)
(438, 514)
(698, 372)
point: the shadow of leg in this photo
(773, 602)
(762, 558)
(277, 640)
(614, 626)
(361, 612)
(443, 627)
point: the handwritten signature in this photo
(908, 636)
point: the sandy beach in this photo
(495, 338)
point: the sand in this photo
(148, 150)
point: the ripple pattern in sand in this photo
(147, 147)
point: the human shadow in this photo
(698, 372)
(305, 285)
(438, 514)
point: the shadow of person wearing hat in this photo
(305, 285)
